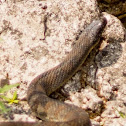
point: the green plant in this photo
(9, 99)
(3, 109)
(122, 114)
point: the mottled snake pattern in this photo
(54, 112)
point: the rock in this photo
(111, 116)
(114, 7)
(36, 35)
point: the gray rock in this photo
(111, 116)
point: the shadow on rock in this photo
(109, 55)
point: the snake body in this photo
(54, 112)
(43, 85)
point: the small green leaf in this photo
(4, 97)
(10, 101)
(15, 95)
(123, 115)
(3, 109)
(16, 101)
(13, 99)
(7, 88)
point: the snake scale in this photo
(54, 112)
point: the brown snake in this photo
(56, 113)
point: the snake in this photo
(52, 111)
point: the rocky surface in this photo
(114, 7)
(36, 35)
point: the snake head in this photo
(95, 29)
